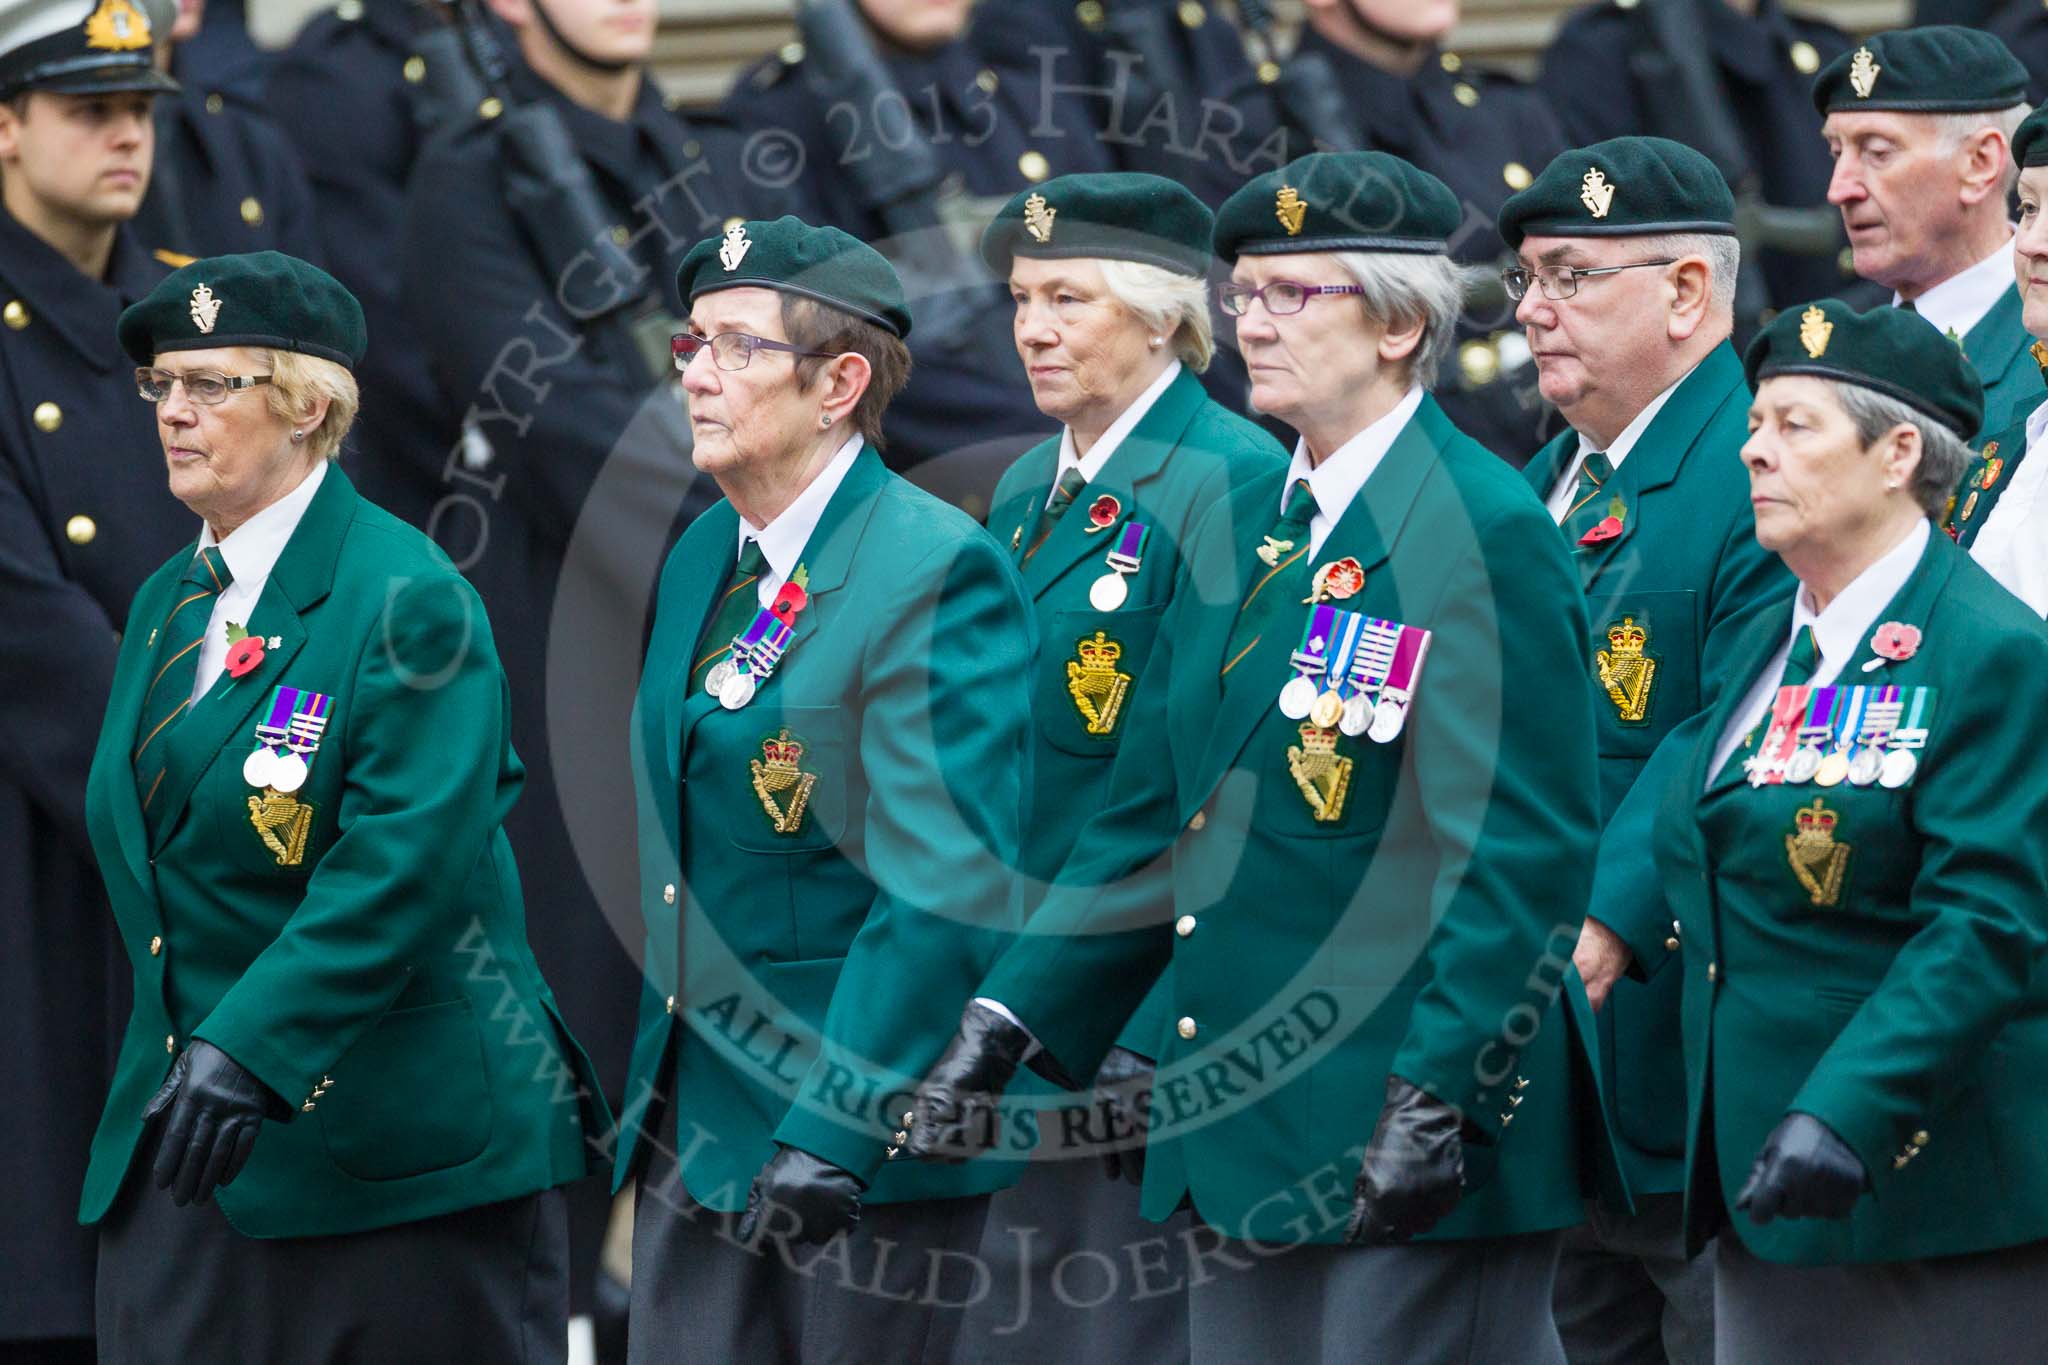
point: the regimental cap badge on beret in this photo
(1863, 73)
(1289, 209)
(1596, 193)
(205, 308)
(733, 249)
(117, 26)
(1814, 331)
(1038, 216)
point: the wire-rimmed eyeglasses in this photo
(1561, 281)
(731, 350)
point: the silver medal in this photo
(721, 672)
(1865, 765)
(1357, 717)
(288, 774)
(738, 690)
(1297, 698)
(259, 766)
(1898, 769)
(1387, 719)
(1108, 592)
(1804, 763)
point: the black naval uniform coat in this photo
(85, 516)
(225, 181)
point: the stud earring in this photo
(1157, 342)
(298, 437)
(824, 419)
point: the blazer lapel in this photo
(1754, 651)
(302, 576)
(1547, 465)
(124, 712)
(706, 556)
(1999, 341)
(1012, 519)
(1910, 606)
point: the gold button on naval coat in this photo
(1186, 1026)
(1089, 12)
(791, 53)
(1479, 361)
(1184, 926)
(1805, 60)
(214, 103)
(1921, 1138)
(415, 69)
(81, 529)
(668, 894)
(252, 211)
(490, 108)
(15, 314)
(1269, 72)
(1192, 14)
(1516, 175)
(985, 81)
(1465, 94)
(1451, 61)
(1034, 166)
(156, 945)
(48, 417)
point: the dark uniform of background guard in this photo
(84, 518)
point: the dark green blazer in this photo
(1997, 346)
(1423, 933)
(801, 974)
(1184, 456)
(1686, 561)
(1989, 475)
(383, 985)
(1901, 1015)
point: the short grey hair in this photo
(1169, 303)
(1403, 286)
(1952, 130)
(1724, 261)
(299, 381)
(1943, 454)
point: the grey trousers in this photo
(1481, 1302)
(1981, 1309)
(1626, 1292)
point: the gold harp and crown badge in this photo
(1817, 860)
(205, 308)
(1094, 683)
(1814, 331)
(734, 248)
(1596, 192)
(1626, 671)
(1038, 216)
(282, 821)
(776, 772)
(1289, 209)
(117, 26)
(1863, 71)
(1323, 774)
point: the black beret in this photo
(789, 254)
(1893, 351)
(83, 47)
(2029, 148)
(1623, 187)
(264, 298)
(1936, 69)
(1119, 216)
(1339, 201)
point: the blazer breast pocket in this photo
(1090, 676)
(1645, 661)
(787, 775)
(262, 830)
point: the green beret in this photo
(1623, 187)
(1118, 216)
(789, 254)
(1894, 351)
(2029, 148)
(264, 298)
(1937, 69)
(1339, 201)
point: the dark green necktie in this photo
(1283, 582)
(1906, 306)
(1800, 665)
(1063, 494)
(175, 665)
(735, 611)
(1588, 507)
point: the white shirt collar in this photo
(1842, 628)
(1336, 481)
(1560, 497)
(252, 548)
(783, 539)
(1960, 302)
(1105, 445)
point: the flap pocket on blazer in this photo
(788, 778)
(410, 1096)
(1089, 670)
(1645, 667)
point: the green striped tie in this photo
(1588, 509)
(1063, 494)
(175, 665)
(1285, 581)
(1800, 665)
(735, 612)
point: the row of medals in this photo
(1870, 763)
(732, 685)
(281, 772)
(1355, 715)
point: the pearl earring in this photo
(1157, 342)
(297, 437)
(824, 419)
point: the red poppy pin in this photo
(1608, 526)
(1896, 640)
(1337, 580)
(1103, 512)
(792, 597)
(244, 654)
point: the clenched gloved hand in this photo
(1414, 1168)
(820, 1199)
(1803, 1171)
(954, 1116)
(215, 1109)
(1123, 1091)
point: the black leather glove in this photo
(1803, 1171)
(954, 1115)
(1414, 1168)
(821, 1199)
(1123, 1091)
(211, 1110)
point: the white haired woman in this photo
(345, 1098)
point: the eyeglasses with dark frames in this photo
(1561, 281)
(732, 350)
(1281, 297)
(205, 387)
